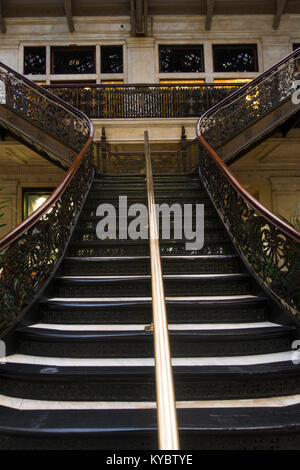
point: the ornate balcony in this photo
(143, 101)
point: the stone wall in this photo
(141, 63)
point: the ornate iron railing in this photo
(251, 102)
(42, 109)
(143, 101)
(29, 253)
(269, 245)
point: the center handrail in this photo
(165, 396)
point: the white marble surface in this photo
(165, 276)
(27, 404)
(126, 362)
(130, 299)
(131, 327)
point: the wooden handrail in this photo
(30, 221)
(251, 200)
(44, 91)
(254, 203)
(165, 396)
(243, 88)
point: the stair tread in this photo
(29, 404)
(99, 422)
(165, 257)
(148, 276)
(140, 327)
(43, 334)
(142, 300)
(261, 363)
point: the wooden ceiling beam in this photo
(68, 11)
(138, 17)
(280, 6)
(210, 4)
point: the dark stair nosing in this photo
(166, 257)
(24, 371)
(233, 301)
(91, 422)
(235, 334)
(145, 277)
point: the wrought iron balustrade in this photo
(143, 101)
(269, 245)
(42, 109)
(30, 252)
(251, 102)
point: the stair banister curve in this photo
(29, 252)
(269, 245)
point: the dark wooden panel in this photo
(36, 8)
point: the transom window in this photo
(111, 59)
(34, 60)
(235, 58)
(181, 59)
(73, 60)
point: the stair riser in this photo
(141, 185)
(89, 225)
(240, 440)
(210, 236)
(89, 210)
(136, 314)
(130, 388)
(143, 267)
(94, 202)
(180, 347)
(189, 440)
(177, 195)
(130, 441)
(130, 249)
(143, 288)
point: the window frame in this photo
(34, 47)
(102, 46)
(71, 48)
(181, 47)
(97, 77)
(236, 46)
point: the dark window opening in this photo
(184, 59)
(111, 59)
(296, 45)
(235, 58)
(34, 60)
(33, 198)
(73, 60)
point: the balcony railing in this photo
(143, 101)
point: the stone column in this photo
(140, 60)
(274, 48)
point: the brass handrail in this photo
(165, 397)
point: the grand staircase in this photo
(82, 371)
(76, 311)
